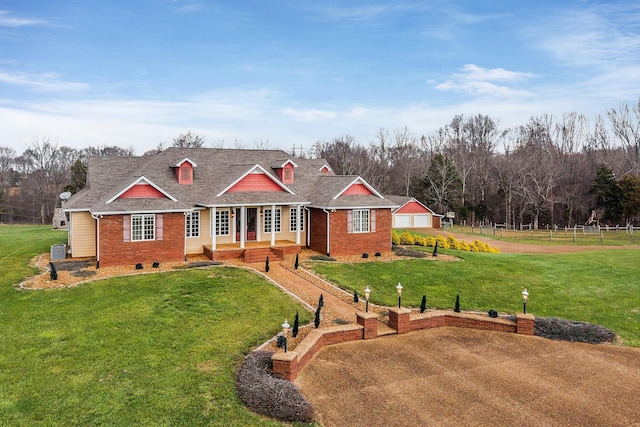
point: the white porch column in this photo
(232, 218)
(214, 226)
(273, 225)
(259, 224)
(298, 224)
(243, 225)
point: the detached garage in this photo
(413, 214)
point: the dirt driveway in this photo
(454, 376)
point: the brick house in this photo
(411, 213)
(223, 203)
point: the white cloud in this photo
(49, 82)
(6, 20)
(604, 36)
(476, 80)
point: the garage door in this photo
(403, 221)
(421, 221)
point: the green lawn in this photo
(157, 349)
(598, 287)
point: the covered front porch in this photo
(252, 231)
(252, 251)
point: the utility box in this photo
(58, 252)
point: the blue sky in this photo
(140, 72)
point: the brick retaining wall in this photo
(288, 365)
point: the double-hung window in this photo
(193, 224)
(268, 220)
(143, 227)
(293, 219)
(222, 223)
(361, 220)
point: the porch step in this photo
(261, 254)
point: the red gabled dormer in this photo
(325, 169)
(184, 171)
(286, 172)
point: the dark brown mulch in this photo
(568, 330)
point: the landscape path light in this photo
(285, 330)
(399, 289)
(367, 292)
(525, 297)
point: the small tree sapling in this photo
(296, 325)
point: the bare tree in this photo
(188, 140)
(408, 161)
(47, 171)
(7, 156)
(625, 125)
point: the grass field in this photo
(601, 287)
(608, 237)
(156, 349)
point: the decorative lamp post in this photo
(525, 297)
(367, 292)
(399, 289)
(285, 331)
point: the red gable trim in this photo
(413, 207)
(357, 189)
(142, 180)
(142, 191)
(255, 183)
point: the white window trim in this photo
(143, 218)
(215, 228)
(292, 223)
(357, 213)
(264, 221)
(192, 232)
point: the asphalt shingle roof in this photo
(216, 170)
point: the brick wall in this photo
(403, 321)
(318, 221)
(370, 323)
(114, 251)
(345, 243)
(288, 365)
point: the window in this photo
(193, 224)
(143, 227)
(361, 220)
(293, 216)
(267, 220)
(222, 223)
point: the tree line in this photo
(551, 171)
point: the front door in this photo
(251, 224)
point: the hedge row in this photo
(407, 238)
